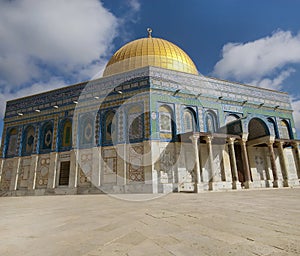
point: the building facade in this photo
(151, 124)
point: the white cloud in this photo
(47, 40)
(253, 61)
(274, 83)
(54, 42)
(134, 4)
(264, 62)
(66, 35)
(46, 44)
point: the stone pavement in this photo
(252, 222)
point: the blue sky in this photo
(48, 44)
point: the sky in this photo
(49, 44)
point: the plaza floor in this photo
(248, 222)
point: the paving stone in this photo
(250, 222)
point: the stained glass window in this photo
(47, 136)
(165, 122)
(86, 130)
(28, 142)
(211, 121)
(189, 121)
(67, 134)
(165, 119)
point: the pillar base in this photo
(236, 185)
(198, 188)
(248, 184)
(276, 184)
(285, 183)
(210, 185)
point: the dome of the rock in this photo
(149, 51)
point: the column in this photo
(273, 164)
(283, 164)
(17, 174)
(246, 166)
(296, 154)
(99, 165)
(73, 167)
(1, 170)
(208, 140)
(95, 167)
(55, 171)
(122, 163)
(76, 151)
(234, 174)
(194, 138)
(35, 170)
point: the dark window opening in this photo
(64, 173)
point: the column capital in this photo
(194, 137)
(230, 140)
(295, 144)
(279, 143)
(208, 138)
(243, 141)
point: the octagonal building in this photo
(151, 124)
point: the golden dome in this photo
(149, 52)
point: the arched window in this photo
(273, 127)
(230, 118)
(12, 139)
(285, 130)
(86, 130)
(165, 122)
(189, 124)
(46, 137)
(66, 134)
(109, 127)
(135, 123)
(28, 141)
(211, 121)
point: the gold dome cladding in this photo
(149, 52)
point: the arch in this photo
(12, 140)
(28, 140)
(257, 128)
(109, 127)
(46, 138)
(273, 126)
(211, 121)
(65, 141)
(135, 123)
(166, 124)
(285, 130)
(231, 118)
(189, 120)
